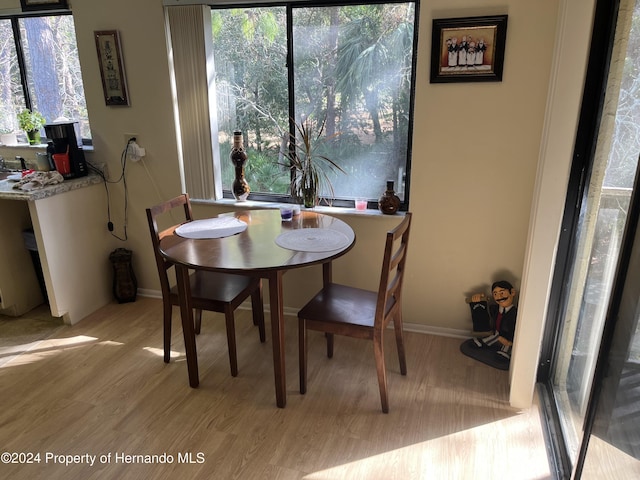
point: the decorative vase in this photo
(309, 197)
(389, 203)
(34, 137)
(238, 156)
(125, 285)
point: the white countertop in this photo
(7, 192)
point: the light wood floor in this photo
(101, 388)
(19, 334)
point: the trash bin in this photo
(31, 245)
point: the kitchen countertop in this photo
(7, 192)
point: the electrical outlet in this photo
(129, 136)
(135, 152)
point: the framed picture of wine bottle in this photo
(468, 49)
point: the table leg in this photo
(186, 313)
(277, 334)
(327, 278)
(327, 273)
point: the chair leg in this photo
(378, 352)
(397, 326)
(302, 354)
(257, 307)
(197, 320)
(166, 320)
(329, 344)
(231, 340)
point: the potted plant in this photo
(310, 166)
(31, 122)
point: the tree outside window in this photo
(43, 74)
(350, 65)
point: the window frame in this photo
(17, 38)
(297, 4)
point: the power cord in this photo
(171, 212)
(123, 179)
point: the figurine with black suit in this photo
(494, 326)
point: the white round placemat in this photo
(216, 227)
(312, 240)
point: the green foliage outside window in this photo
(351, 65)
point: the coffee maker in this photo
(63, 136)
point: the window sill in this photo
(252, 204)
(40, 147)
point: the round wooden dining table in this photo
(267, 248)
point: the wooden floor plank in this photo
(100, 387)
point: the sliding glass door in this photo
(594, 260)
(613, 448)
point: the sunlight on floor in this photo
(476, 453)
(604, 461)
(45, 348)
(158, 352)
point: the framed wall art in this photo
(468, 49)
(37, 5)
(114, 82)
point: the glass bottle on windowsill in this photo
(238, 157)
(389, 203)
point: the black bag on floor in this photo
(125, 285)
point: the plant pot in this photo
(309, 197)
(34, 137)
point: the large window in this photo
(40, 70)
(350, 66)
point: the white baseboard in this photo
(145, 292)
(409, 327)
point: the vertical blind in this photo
(189, 45)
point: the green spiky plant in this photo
(309, 165)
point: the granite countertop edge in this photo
(7, 192)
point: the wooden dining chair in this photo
(212, 291)
(343, 310)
